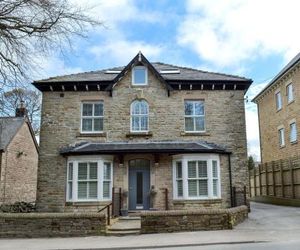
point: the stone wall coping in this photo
(198, 201)
(49, 215)
(202, 211)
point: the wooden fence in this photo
(277, 178)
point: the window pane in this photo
(98, 124)
(215, 187)
(70, 190)
(199, 108)
(293, 132)
(135, 123)
(202, 169)
(144, 108)
(215, 169)
(70, 171)
(189, 124)
(82, 171)
(107, 171)
(144, 123)
(290, 93)
(178, 170)
(98, 109)
(199, 123)
(82, 190)
(106, 189)
(192, 187)
(192, 169)
(278, 101)
(139, 75)
(188, 108)
(135, 109)
(93, 170)
(93, 190)
(87, 124)
(179, 188)
(203, 187)
(87, 109)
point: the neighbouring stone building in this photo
(18, 160)
(168, 136)
(279, 114)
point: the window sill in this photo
(282, 146)
(290, 102)
(139, 134)
(205, 200)
(87, 203)
(101, 134)
(294, 142)
(277, 110)
(204, 133)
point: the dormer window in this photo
(139, 76)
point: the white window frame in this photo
(278, 100)
(194, 116)
(91, 117)
(100, 171)
(139, 116)
(293, 122)
(281, 137)
(290, 93)
(133, 76)
(203, 157)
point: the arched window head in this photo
(139, 113)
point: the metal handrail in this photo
(108, 211)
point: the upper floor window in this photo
(281, 137)
(139, 75)
(139, 116)
(92, 117)
(290, 92)
(194, 116)
(278, 101)
(293, 132)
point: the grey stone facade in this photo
(225, 125)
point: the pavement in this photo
(268, 227)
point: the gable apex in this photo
(139, 59)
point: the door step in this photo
(125, 226)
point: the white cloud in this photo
(227, 33)
(120, 52)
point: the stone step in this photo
(129, 218)
(125, 225)
(122, 233)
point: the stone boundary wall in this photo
(22, 225)
(192, 220)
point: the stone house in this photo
(168, 137)
(278, 113)
(18, 160)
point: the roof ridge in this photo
(200, 70)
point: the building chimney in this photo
(21, 111)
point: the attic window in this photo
(139, 75)
(169, 71)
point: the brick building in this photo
(147, 128)
(18, 160)
(278, 114)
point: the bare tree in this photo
(11, 100)
(32, 28)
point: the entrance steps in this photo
(127, 225)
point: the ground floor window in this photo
(89, 178)
(196, 177)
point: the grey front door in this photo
(139, 184)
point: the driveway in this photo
(268, 227)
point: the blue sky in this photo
(243, 37)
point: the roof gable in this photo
(139, 59)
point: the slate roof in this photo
(171, 147)
(185, 74)
(291, 64)
(9, 126)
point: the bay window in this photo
(89, 179)
(196, 177)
